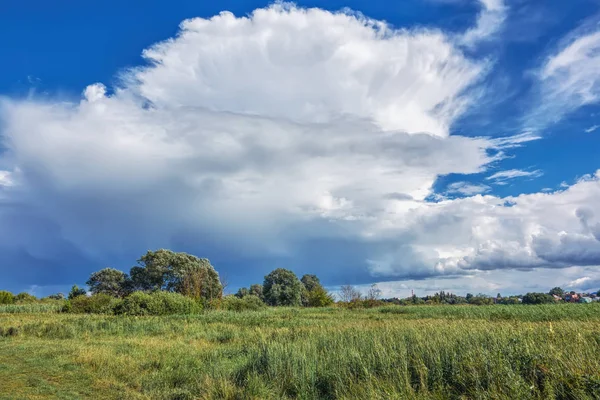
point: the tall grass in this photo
(519, 352)
(30, 308)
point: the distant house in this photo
(585, 300)
(572, 298)
(557, 298)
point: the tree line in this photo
(164, 281)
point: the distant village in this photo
(555, 295)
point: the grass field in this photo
(426, 352)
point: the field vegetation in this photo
(393, 352)
(165, 330)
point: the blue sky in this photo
(427, 145)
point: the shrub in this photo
(157, 303)
(25, 298)
(318, 297)
(247, 303)
(100, 303)
(76, 291)
(6, 297)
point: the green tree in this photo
(319, 297)
(557, 291)
(537, 298)
(310, 282)
(6, 297)
(179, 272)
(24, 298)
(257, 290)
(242, 292)
(76, 291)
(108, 281)
(282, 288)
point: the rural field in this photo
(393, 352)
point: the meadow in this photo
(393, 352)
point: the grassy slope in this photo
(397, 352)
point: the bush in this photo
(157, 303)
(6, 297)
(247, 303)
(25, 298)
(318, 297)
(97, 304)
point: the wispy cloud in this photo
(502, 177)
(489, 23)
(467, 188)
(592, 128)
(568, 79)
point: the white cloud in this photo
(5, 178)
(592, 128)
(275, 135)
(569, 78)
(261, 131)
(310, 65)
(467, 189)
(502, 177)
(489, 23)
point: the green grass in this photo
(492, 352)
(30, 308)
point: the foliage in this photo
(481, 300)
(257, 290)
(319, 297)
(282, 288)
(242, 292)
(56, 296)
(537, 298)
(310, 282)
(25, 298)
(157, 303)
(100, 303)
(6, 297)
(108, 281)
(76, 291)
(556, 291)
(180, 272)
(509, 300)
(247, 303)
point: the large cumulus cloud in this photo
(290, 136)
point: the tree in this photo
(107, 281)
(56, 296)
(374, 292)
(76, 291)
(25, 297)
(6, 297)
(242, 292)
(348, 293)
(257, 290)
(537, 298)
(310, 282)
(179, 272)
(557, 291)
(319, 297)
(282, 288)
(468, 297)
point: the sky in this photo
(421, 145)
